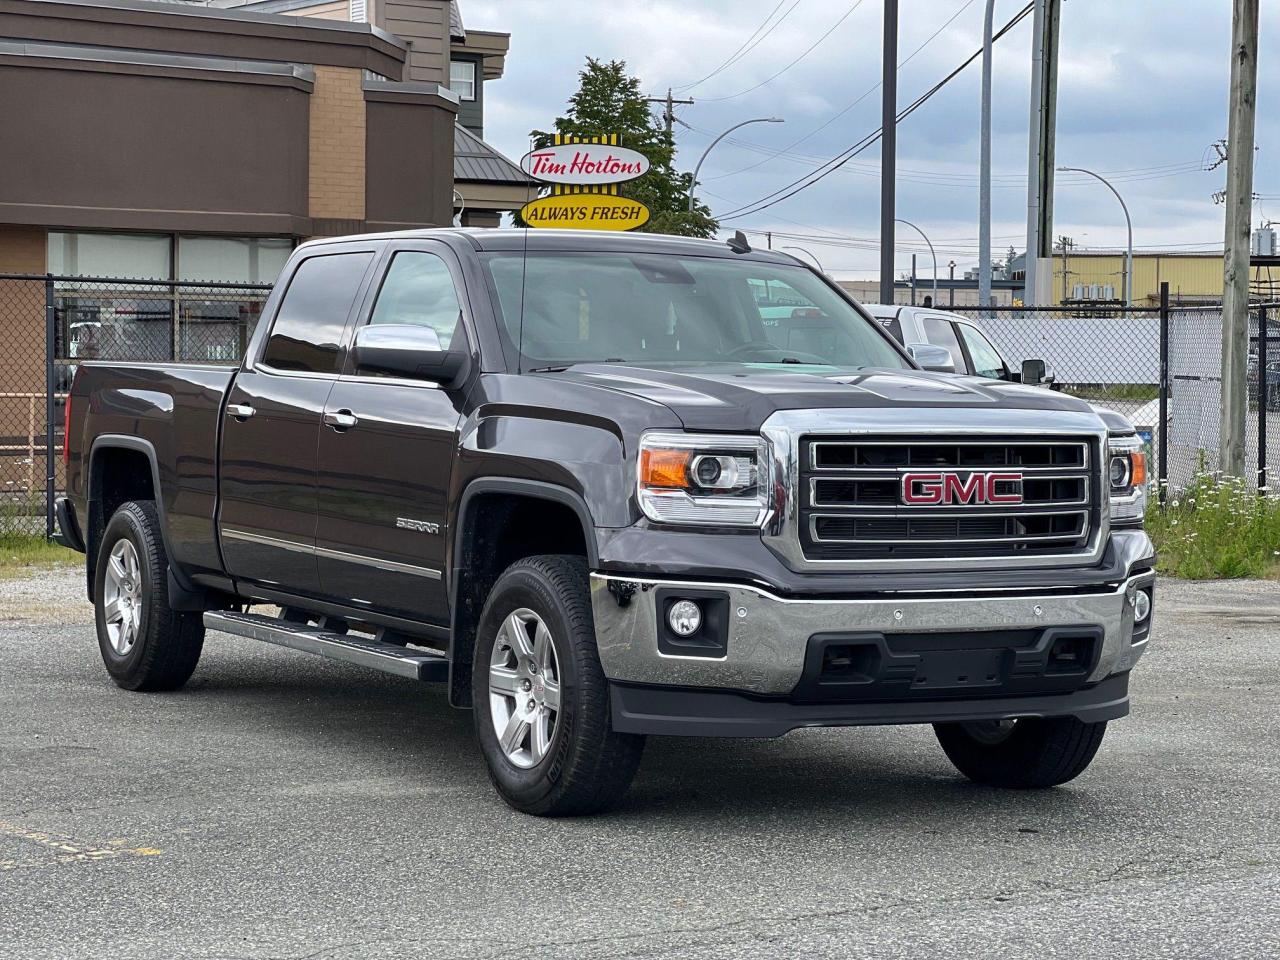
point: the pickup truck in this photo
(577, 479)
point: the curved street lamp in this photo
(717, 140)
(816, 261)
(931, 253)
(1128, 258)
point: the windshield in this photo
(663, 310)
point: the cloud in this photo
(1142, 87)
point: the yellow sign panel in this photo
(585, 211)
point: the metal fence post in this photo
(50, 388)
(1262, 398)
(1162, 429)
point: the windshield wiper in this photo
(560, 368)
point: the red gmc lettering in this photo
(925, 489)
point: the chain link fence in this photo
(53, 323)
(1114, 356)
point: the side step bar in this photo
(364, 651)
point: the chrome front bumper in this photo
(768, 634)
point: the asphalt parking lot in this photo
(282, 806)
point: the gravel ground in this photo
(282, 806)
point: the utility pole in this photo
(1041, 144)
(669, 108)
(1235, 281)
(888, 147)
(984, 165)
(952, 277)
(1065, 243)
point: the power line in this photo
(744, 49)
(811, 48)
(795, 143)
(852, 151)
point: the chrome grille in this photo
(853, 505)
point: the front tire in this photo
(145, 644)
(541, 698)
(1030, 753)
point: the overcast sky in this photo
(1143, 93)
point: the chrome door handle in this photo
(341, 419)
(241, 411)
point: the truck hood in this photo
(737, 397)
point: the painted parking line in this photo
(67, 850)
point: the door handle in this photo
(241, 411)
(341, 419)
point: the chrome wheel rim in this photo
(524, 688)
(990, 732)
(122, 597)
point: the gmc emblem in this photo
(937, 489)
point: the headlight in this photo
(1127, 477)
(703, 480)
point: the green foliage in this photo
(1219, 527)
(610, 101)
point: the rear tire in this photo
(541, 698)
(145, 644)
(1030, 753)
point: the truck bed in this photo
(171, 410)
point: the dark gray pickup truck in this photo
(602, 487)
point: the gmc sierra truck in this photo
(597, 488)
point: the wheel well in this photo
(497, 530)
(117, 475)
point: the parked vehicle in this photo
(579, 480)
(970, 349)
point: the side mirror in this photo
(931, 357)
(409, 350)
(1035, 373)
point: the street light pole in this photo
(1128, 259)
(984, 165)
(816, 261)
(931, 253)
(694, 184)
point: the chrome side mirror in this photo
(1036, 373)
(409, 350)
(932, 357)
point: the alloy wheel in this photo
(524, 688)
(122, 597)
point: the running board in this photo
(364, 651)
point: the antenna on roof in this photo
(738, 242)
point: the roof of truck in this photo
(584, 241)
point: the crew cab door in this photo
(386, 451)
(271, 424)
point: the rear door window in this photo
(307, 334)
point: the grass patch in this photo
(1114, 392)
(1218, 528)
(20, 553)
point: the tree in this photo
(610, 101)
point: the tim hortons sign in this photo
(584, 164)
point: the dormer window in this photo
(462, 78)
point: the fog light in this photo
(1141, 606)
(684, 617)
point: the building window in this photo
(232, 259)
(138, 256)
(462, 78)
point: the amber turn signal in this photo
(1138, 468)
(664, 468)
